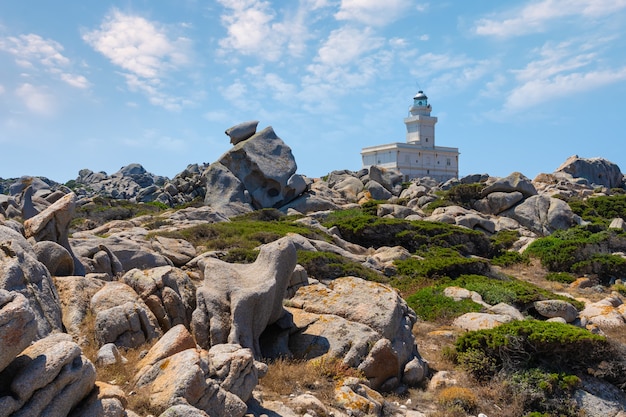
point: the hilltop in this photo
(244, 288)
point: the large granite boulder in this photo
(167, 291)
(18, 327)
(376, 319)
(122, 317)
(543, 214)
(184, 378)
(238, 301)
(53, 224)
(20, 271)
(262, 171)
(597, 171)
(514, 182)
(48, 378)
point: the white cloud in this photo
(537, 15)
(561, 70)
(77, 81)
(371, 12)
(253, 28)
(36, 99)
(345, 45)
(1, 89)
(235, 92)
(32, 51)
(143, 49)
(538, 91)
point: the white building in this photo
(419, 156)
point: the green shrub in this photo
(511, 291)
(605, 265)
(241, 232)
(544, 392)
(604, 208)
(430, 304)
(509, 258)
(563, 277)
(504, 239)
(328, 265)
(368, 230)
(440, 262)
(526, 344)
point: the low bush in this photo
(562, 277)
(430, 304)
(509, 258)
(521, 345)
(458, 397)
(328, 265)
(357, 226)
(438, 262)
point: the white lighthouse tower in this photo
(420, 125)
(418, 156)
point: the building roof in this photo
(420, 96)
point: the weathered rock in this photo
(75, 295)
(174, 341)
(381, 364)
(18, 327)
(556, 308)
(225, 192)
(20, 271)
(178, 251)
(118, 253)
(458, 294)
(604, 313)
(104, 401)
(389, 178)
(304, 403)
(497, 202)
(55, 257)
(360, 302)
(316, 335)
(167, 291)
(506, 309)
(480, 321)
(234, 368)
(108, 355)
(542, 214)
(358, 399)
(122, 317)
(53, 224)
(618, 223)
(377, 191)
(242, 131)
(182, 410)
(514, 182)
(264, 165)
(49, 378)
(237, 301)
(183, 378)
(597, 171)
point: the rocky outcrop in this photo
(167, 291)
(377, 320)
(48, 378)
(17, 326)
(53, 224)
(237, 301)
(122, 317)
(259, 171)
(597, 171)
(543, 215)
(20, 271)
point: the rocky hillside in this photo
(243, 288)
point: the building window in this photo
(448, 162)
(426, 140)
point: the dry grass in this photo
(285, 377)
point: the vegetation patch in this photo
(601, 209)
(360, 227)
(521, 345)
(430, 304)
(438, 262)
(579, 250)
(328, 265)
(243, 232)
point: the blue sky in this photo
(516, 85)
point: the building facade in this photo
(419, 156)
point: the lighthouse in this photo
(419, 156)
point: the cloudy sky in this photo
(517, 86)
